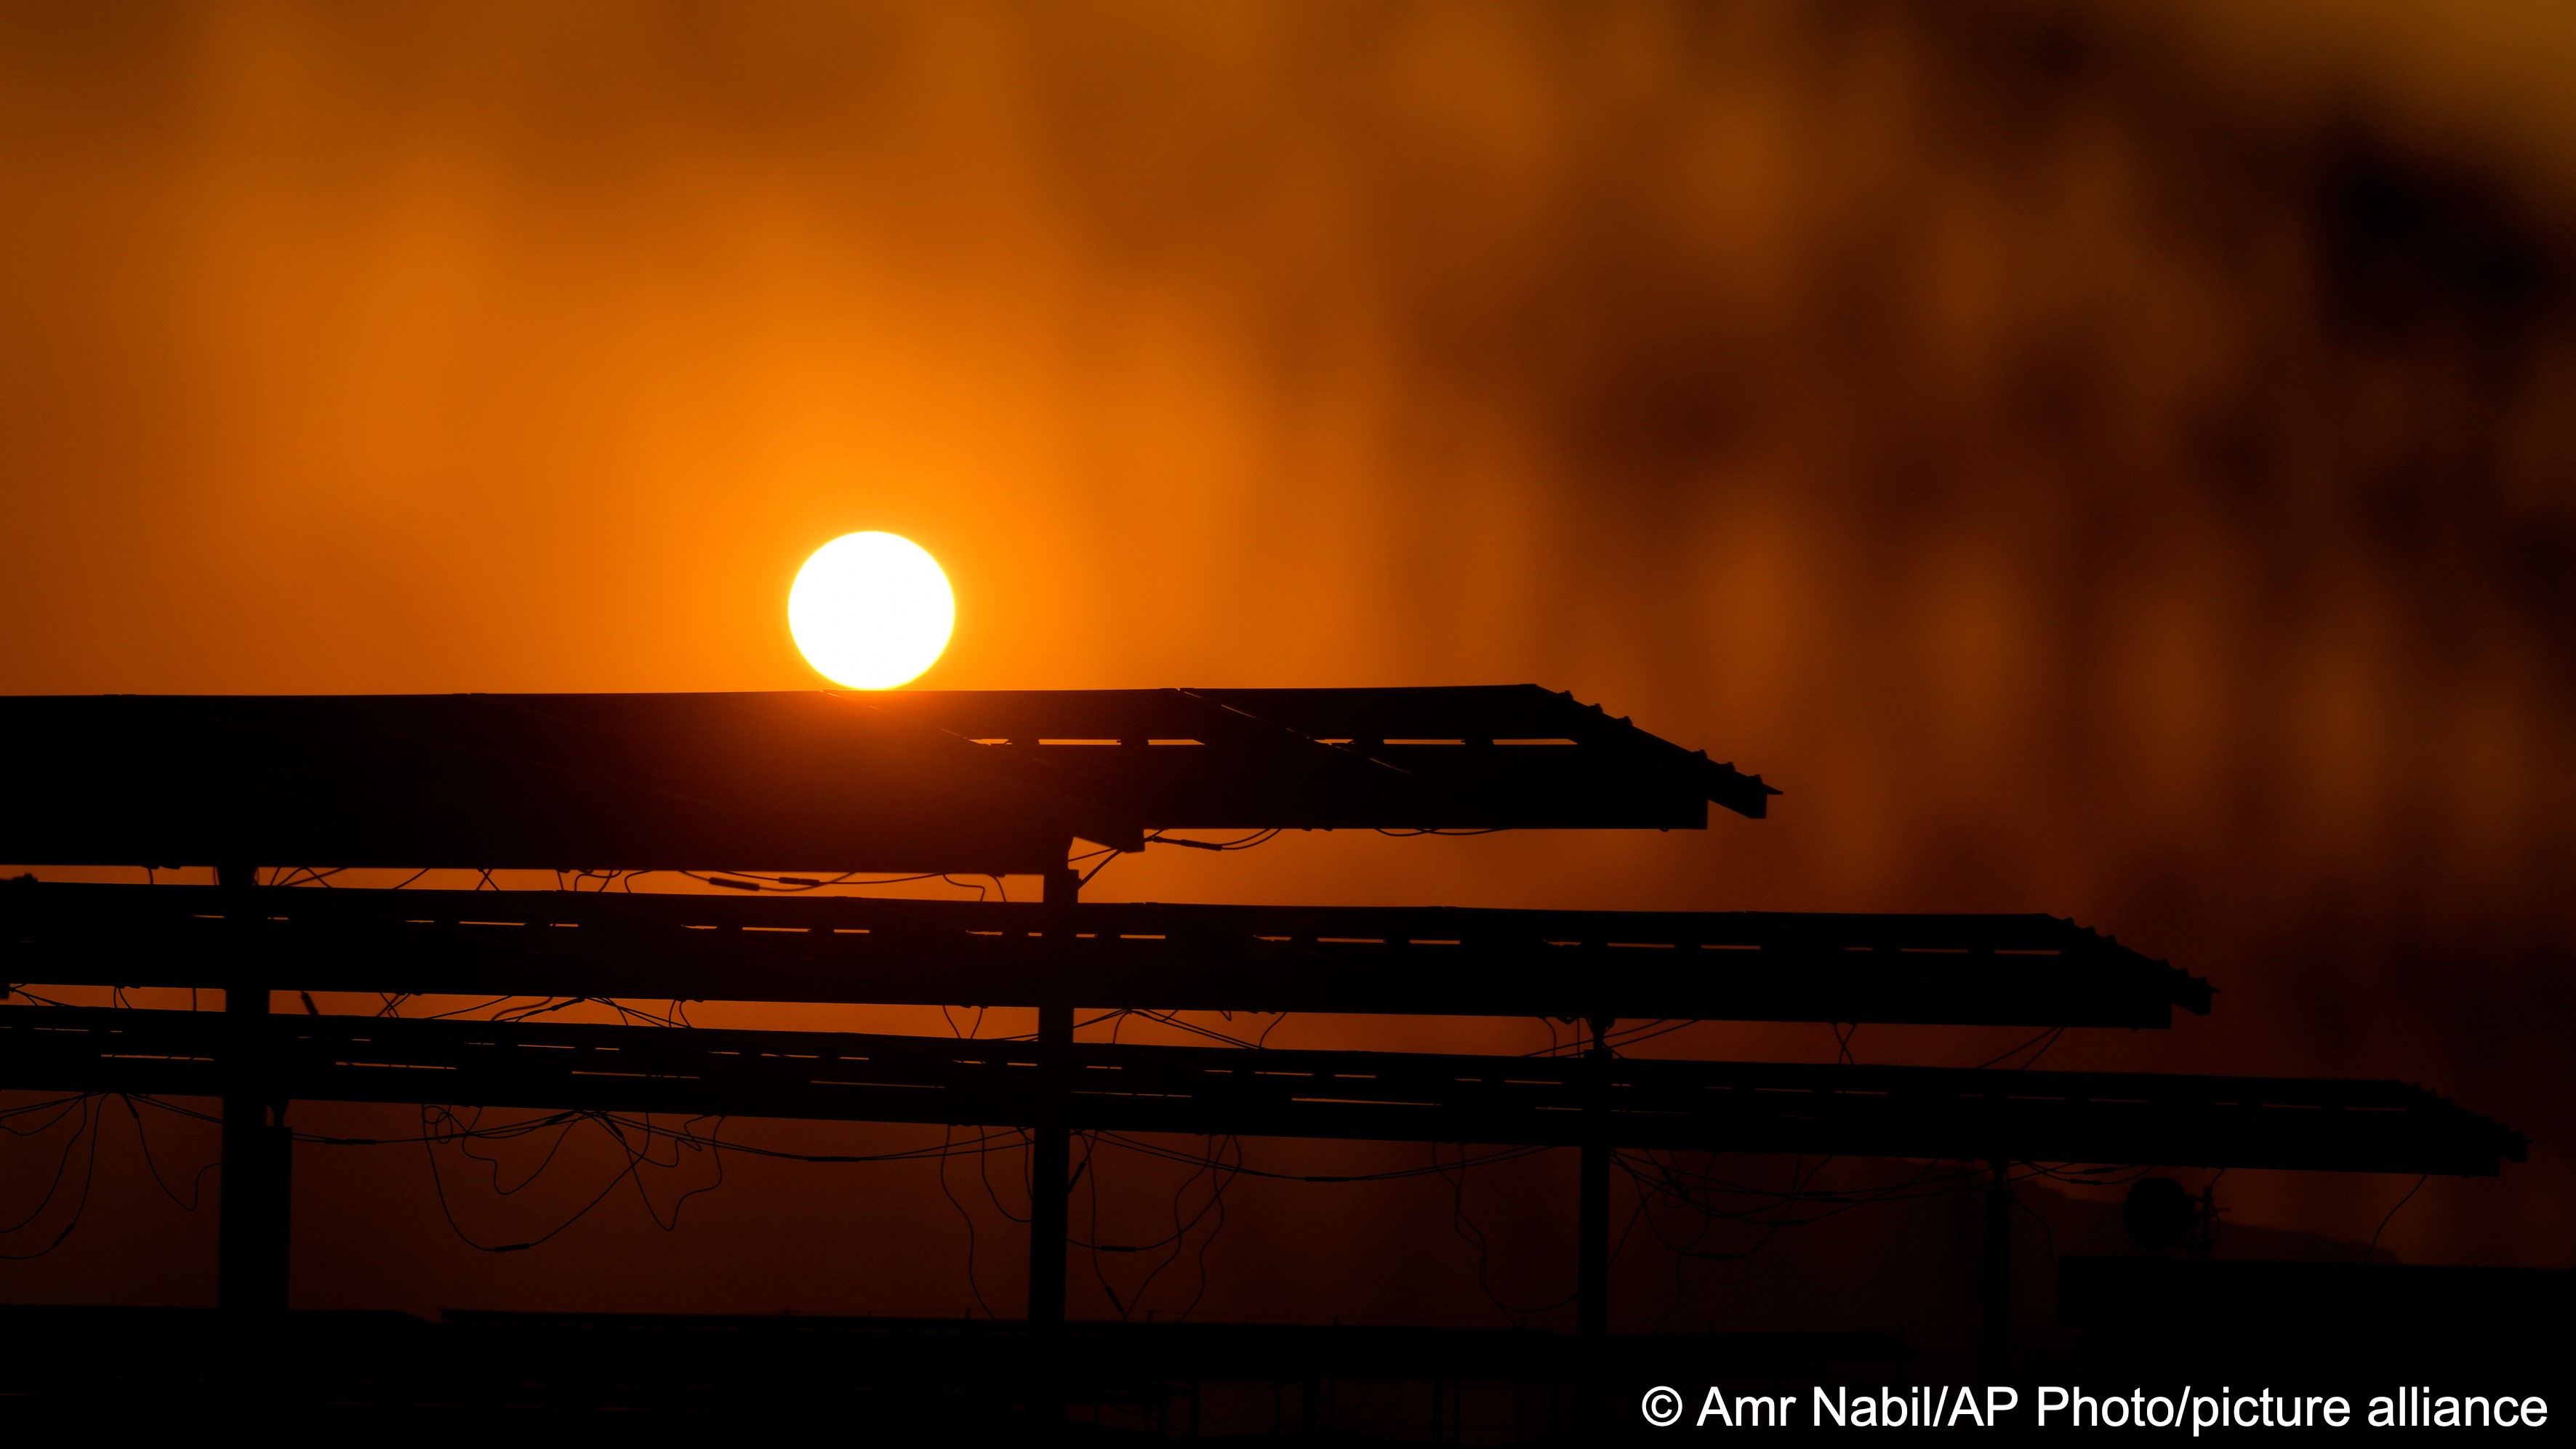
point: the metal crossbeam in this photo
(1747, 966)
(1877, 1111)
(480, 1356)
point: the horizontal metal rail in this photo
(1515, 751)
(1870, 1111)
(2011, 970)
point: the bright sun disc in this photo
(871, 610)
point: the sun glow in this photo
(871, 610)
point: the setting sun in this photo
(871, 610)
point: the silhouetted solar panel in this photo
(1743, 966)
(811, 780)
(1783, 1107)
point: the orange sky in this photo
(2111, 461)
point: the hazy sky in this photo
(2110, 459)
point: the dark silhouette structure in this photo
(970, 782)
(1009, 783)
(2151, 1319)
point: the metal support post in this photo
(1050, 1159)
(1592, 1217)
(1592, 1232)
(251, 1243)
(1998, 1273)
